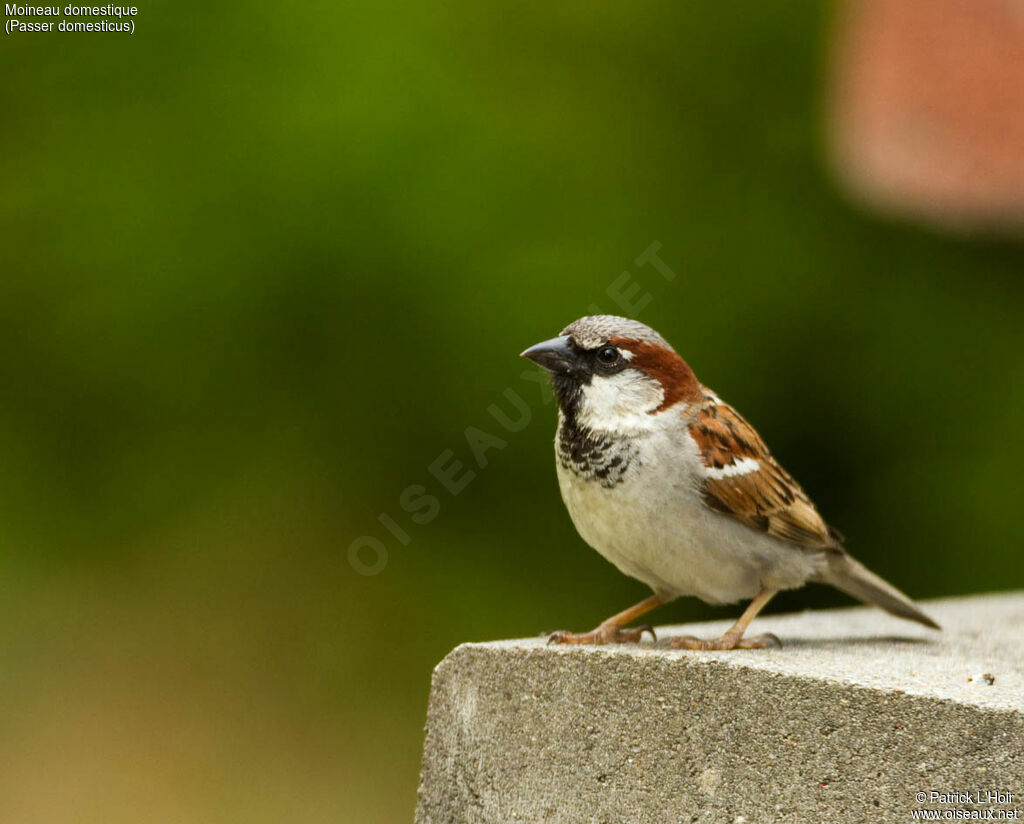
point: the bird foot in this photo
(604, 634)
(766, 641)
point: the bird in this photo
(671, 485)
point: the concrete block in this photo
(860, 717)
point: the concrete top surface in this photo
(977, 659)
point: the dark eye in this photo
(608, 355)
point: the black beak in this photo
(554, 355)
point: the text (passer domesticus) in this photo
(671, 485)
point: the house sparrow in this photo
(671, 485)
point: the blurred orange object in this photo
(927, 109)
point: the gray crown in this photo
(593, 330)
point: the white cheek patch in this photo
(621, 402)
(743, 466)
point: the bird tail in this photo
(852, 577)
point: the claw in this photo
(767, 641)
(647, 628)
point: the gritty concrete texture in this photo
(850, 721)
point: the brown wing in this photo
(742, 479)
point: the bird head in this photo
(614, 374)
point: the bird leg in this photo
(611, 631)
(733, 639)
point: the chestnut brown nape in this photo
(677, 379)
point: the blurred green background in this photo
(262, 264)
